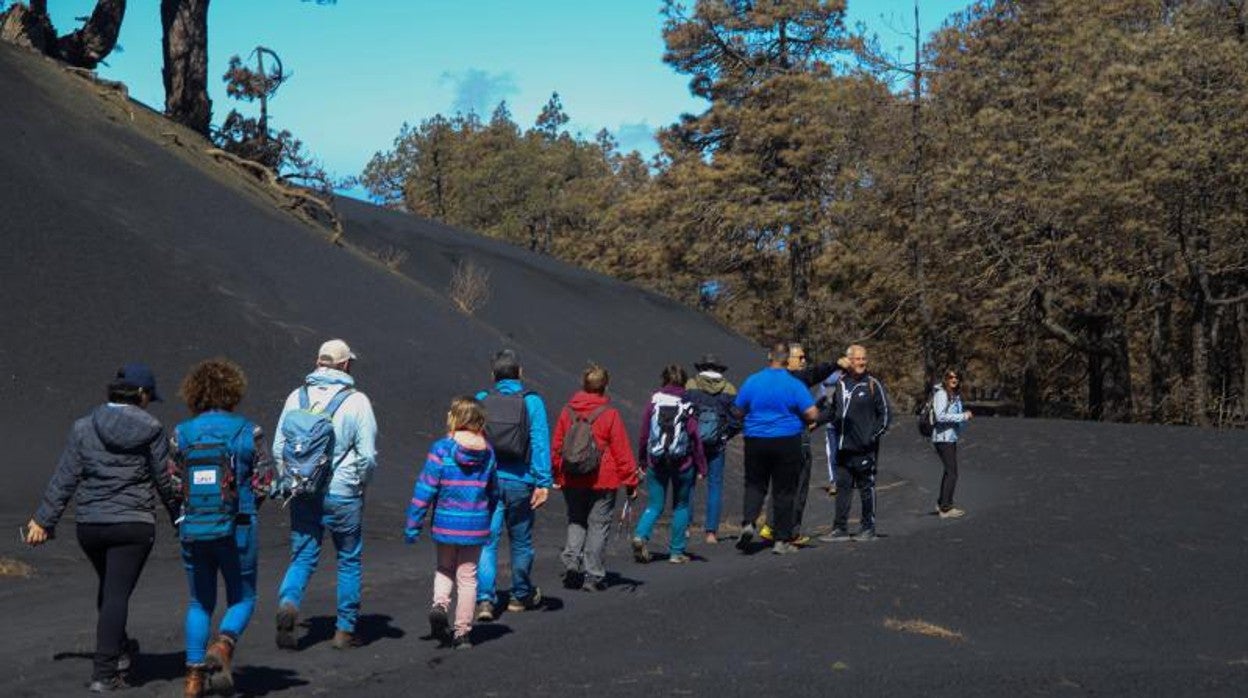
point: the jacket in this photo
(713, 388)
(253, 468)
(861, 413)
(950, 417)
(114, 465)
(696, 456)
(458, 483)
(617, 467)
(537, 471)
(355, 431)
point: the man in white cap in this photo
(336, 503)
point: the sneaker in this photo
(129, 650)
(534, 600)
(594, 585)
(766, 533)
(461, 642)
(217, 661)
(344, 640)
(800, 541)
(439, 623)
(746, 537)
(678, 558)
(838, 535)
(116, 683)
(193, 687)
(781, 547)
(572, 579)
(485, 611)
(640, 553)
(287, 614)
(866, 535)
(951, 513)
(711, 538)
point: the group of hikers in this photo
(489, 474)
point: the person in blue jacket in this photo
(951, 419)
(518, 431)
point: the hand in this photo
(631, 491)
(410, 537)
(969, 414)
(35, 534)
(539, 497)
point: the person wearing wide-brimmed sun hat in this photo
(712, 395)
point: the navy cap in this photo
(139, 376)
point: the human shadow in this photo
(369, 628)
(263, 680)
(615, 579)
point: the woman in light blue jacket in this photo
(951, 419)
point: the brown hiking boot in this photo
(344, 640)
(287, 615)
(217, 662)
(194, 686)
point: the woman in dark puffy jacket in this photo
(114, 467)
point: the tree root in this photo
(297, 196)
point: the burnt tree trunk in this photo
(1198, 379)
(185, 43)
(1159, 364)
(92, 43)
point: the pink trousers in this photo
(457, 569)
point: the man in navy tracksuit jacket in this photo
(861, 414)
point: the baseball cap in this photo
(140, 376)
(334, 352)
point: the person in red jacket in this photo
(590, 474)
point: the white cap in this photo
(334, 352)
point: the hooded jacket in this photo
(113, 466)
(537, 471)
(696, 456)
(950, 417)
(860, 412)
(711, 388)
(617, 467)
(355, 431)
(458, 483)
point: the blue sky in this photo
(363, 67)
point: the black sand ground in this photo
(1096, 559)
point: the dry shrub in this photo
(392, 257)
(470, 287)
(15, 568)
(922, 627)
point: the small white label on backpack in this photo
(205, 477)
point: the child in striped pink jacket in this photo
(458, 484)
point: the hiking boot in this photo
(116, 683)
(534, 600)
(951, 513)
(572, 579)
(640, 553)
(746, 537)
(461, 642)
(838, 535)
(129, 650)
(830, 488)
(678, 558)
(866, 535)
(439, 623)
(194, 685)
(766, 533)
(287, 615)
(485, 611)
(799, 541)
(217, 663)
(781, 547)
(344, 640)
(711, 538)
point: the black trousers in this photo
(803, 484)
(774, 463)
(855, 471)
(117, 552)
(948, 453)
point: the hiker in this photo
(592, 459)
(712, 396)
(458, 483)
(950, 420)
(517, 429)
(323, 470)
(223, 469)
(777, 408)
(114, 467)
(670, 454)
(861, 414)
(810, 376)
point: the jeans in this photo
(235, 559)
(714, 489)
(948, 453)
(855, 471)
(309, 517)
(658, 482)
(775, 463)
(118, 553)
(589, 525)
(515, 512)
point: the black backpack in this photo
(580, 452)
(927, 416)
(712, 419)
(507, 425)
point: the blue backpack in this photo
(208, 469)
(668, 441)
(712, 420)
(307, 455)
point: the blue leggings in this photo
(235, 559)
(658, 481)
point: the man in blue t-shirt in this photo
(777, 408)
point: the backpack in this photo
(307, 455)
(927, 417)
(206, 466)
(507, 425)
(712, 422)
(669, 441)
(580, 452)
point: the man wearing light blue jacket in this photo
(341, 508)
(519, 432)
